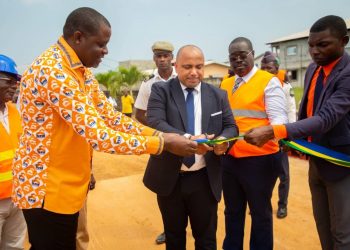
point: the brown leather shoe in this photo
(160, 238)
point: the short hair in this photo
(335, 24)
(242, 39)
(270, 57)
(84, 19)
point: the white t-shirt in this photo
(146, 87)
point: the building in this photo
(293, 52)
(214, 72)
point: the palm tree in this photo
(114, 81)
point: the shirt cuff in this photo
(280, 131)
(147, 131)
(155, 145)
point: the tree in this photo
(114, 81)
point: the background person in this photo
(162, 56)
(127, 103)
(12, 223)
(270, 63)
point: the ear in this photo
(345, 40)
(77, 37)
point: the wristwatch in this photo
(188, 136)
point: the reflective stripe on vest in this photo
(6, 176)
(249, 113)
(7, 155)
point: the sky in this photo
(28, 27)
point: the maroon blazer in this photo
(330, 124)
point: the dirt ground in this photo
(123, 214)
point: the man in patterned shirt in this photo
(65, 116)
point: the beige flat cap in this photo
(162, 45)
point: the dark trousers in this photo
(51, 231)
(249, 180)
(192, 199)
(283, 187)
(331, 208)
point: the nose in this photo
(313, 50)
(105, 50)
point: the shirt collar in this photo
(247, 77)
(69, 54)
(197, 88)
(327, 69)
(5, 113)
(158, 77)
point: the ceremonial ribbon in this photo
(217, 141)
(300, 145)
(319, 151)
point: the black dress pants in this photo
(249, 180)
(51, 231)
(191, 199)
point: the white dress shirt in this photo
(275, 99)
(199, 159)
(146, 87)
(4, 119)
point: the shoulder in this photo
(214, 89)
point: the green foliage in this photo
(116, 81)
(298, 92)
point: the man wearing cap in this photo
(162, 56)
(12, 223)
(270, 63)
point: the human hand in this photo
(259, 136)
(179, 145)
(203, 148)
(221, 148)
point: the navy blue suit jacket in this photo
(330, 125)
(166, 112)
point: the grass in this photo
(298, 92)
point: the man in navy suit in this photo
(324, 116)
(190, 187)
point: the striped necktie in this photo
(237, 83)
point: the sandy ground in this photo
(123, 214)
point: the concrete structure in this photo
(293, 52)
(214, 72)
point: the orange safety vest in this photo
(281, 75)
(8, 145)
(248, 108)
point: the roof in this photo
(214, 62)
(300, 35)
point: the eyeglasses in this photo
(241, 56)
(9, 81)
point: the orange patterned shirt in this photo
(64, 115)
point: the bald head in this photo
(189, 65)
(189, 49)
